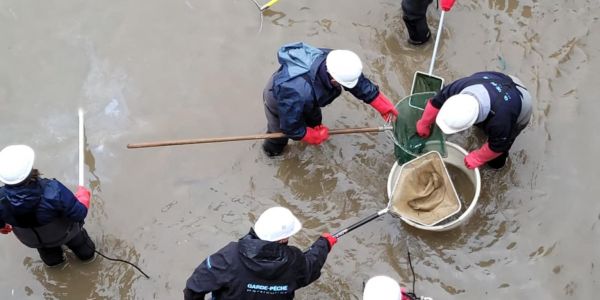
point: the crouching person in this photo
(261, 265)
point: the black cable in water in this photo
(113, 259)
(123, 261)
(412, 270)
(411, 295)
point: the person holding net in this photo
(261, 265)
(310, 78)
(497, 103)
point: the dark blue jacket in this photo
(505, 102)
(45, 199)
(255, 269)
(302, 86)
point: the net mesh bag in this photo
(424, 192)
(408, 145)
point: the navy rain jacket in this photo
(505, 103)
(49, 198)
(302, 86)
(255, 269)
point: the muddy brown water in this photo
(163, 70)
(465, 188)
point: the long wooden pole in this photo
(251, 137)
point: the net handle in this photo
(361, 222)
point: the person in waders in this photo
(310, 78)
(42, 213)
(415, 19)
(499, 104)
(261, 265)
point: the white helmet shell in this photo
(344, 66)
(382, 288)
(276, 223)
(458, 113)
(16, 162)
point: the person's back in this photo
(42, 213)
(260, 265)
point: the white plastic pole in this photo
(437, 42)
(81, 140)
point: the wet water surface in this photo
(167, 70)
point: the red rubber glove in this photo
(6, 229)
(317, 135)
(331, 240)
(428, 117)
(384, 106)
(447, 4)
(405, 295)
(479, 157)
(83, 195)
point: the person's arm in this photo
(364, 90)
(447, 91)
(315, 258)
(499, 141)
(209, 276)
(368, 92)
(71, 208)
(4, 228)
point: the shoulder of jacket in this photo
(51, 188)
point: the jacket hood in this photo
(269, 259)
(297, 58)
(23, 198)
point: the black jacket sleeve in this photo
(364, 89)
(191, 295)
(314, 259)
(450, 90)
(211, 275)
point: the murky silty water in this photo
(166, 70)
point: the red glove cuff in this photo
(83, 195)
(384, 106)
(479, 157)
(317, 135)
(6, 229)
(331, 240)
(447, 4)
(429, 114)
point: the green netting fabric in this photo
(408, 145)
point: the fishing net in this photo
(424, 192)
(409, 145)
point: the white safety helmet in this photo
(16, 162)
(382, 288)
(276, 223)
(344, 66)
(458, 113)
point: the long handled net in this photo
(408, 144)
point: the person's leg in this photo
(499, 161)
(82, 246)
(53, 256)
(272, 147)
(415, 18)
(314, 117)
